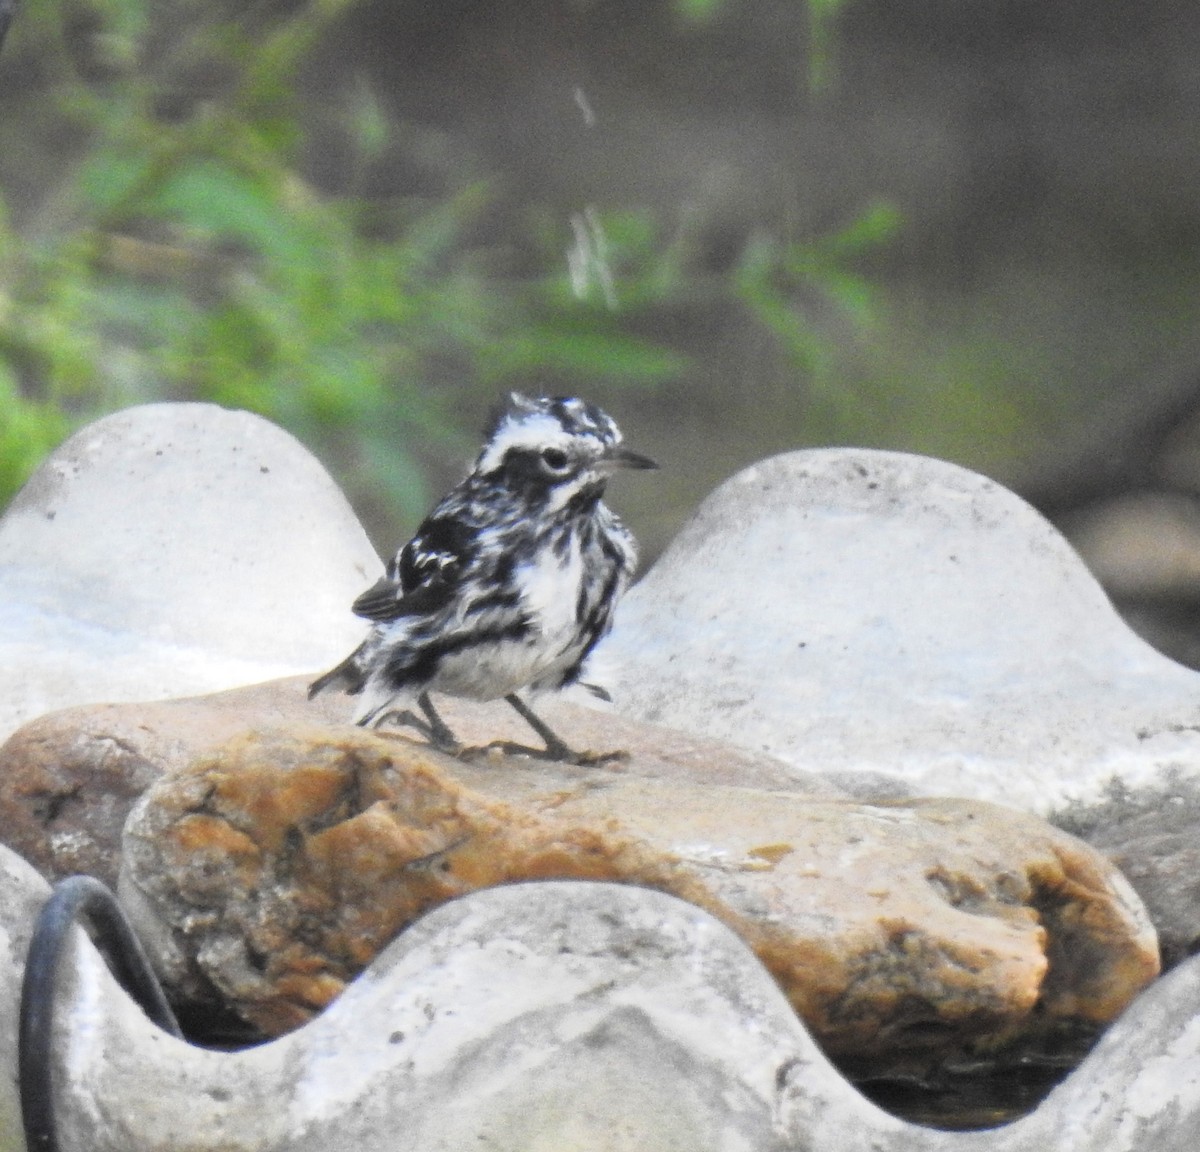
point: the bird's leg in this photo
(400, 718)
(439, 731)
(433, 727)
(556, 748)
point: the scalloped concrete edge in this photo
(549, 1016)
(922, 625)
(155, 554)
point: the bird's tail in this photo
(348, 676)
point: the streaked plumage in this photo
(509, 583)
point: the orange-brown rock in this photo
(274, 868)
(69, 779)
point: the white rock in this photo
(169, 550)
(595, 1017)
(881, 615)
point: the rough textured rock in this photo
(925, 630)
(891, 616)
(594, 1017)
(898, 659)
(68, 780)
(276, 868)
(1153, 836)
(173, 549)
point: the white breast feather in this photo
(550, 590)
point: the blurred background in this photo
(742, 226)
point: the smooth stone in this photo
(595, 1017)
(68, 780)
(173, 549)
(885, 617)
(275, 868)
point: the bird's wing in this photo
(386, 600)
(424, 576)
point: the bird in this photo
(508, 584)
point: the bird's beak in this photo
(623, 458)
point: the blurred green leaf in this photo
(697, 11)
(28, 430)
(580, 352)
(875, 226)
(368, 121)
(189, 253)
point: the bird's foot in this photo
(438, 731)
(439, 735)
(558, 753)
(401, 719)
(556, 747)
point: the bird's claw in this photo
(559, 754)
(439, 736)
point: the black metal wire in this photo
(73, 898)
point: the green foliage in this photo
(822, 14)
(191, 260)
(697, 11)
(28, 430)
(181, 252)
(774, 279)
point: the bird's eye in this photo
(554, 458)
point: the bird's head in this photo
(554, 448)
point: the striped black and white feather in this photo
(511, 580)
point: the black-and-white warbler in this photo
(509, 582)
